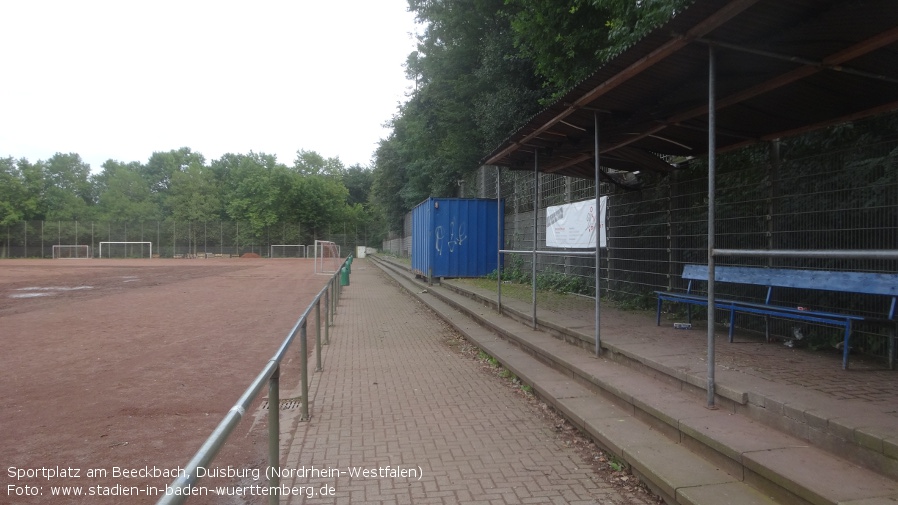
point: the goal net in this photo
(126, 250)
(287, 251)
(327, 257)
(63, 251)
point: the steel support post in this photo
(599, 225)
(712, 208)
(499, 239)
(535, 233)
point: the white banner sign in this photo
(573, 225)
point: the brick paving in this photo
(867, 380)
(394, 394)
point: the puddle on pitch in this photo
(30, 295)
(35, 292)
(56, 288)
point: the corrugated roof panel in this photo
(658, 105)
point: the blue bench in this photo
(845, 282)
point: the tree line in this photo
(180, 184)
(484, 67)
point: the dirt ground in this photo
(128, 365)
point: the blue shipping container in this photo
(457, 237)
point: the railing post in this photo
(327, 315)
(304, 361)
(330, 301)
(274, 432)
(318, 335)
(336, 294)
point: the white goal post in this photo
(70, 251)
(327, 257)
(144, 247)
(287, 251)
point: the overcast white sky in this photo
(120, 79)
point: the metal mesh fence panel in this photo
(845, 199)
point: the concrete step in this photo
(658, 426)
(863, 433)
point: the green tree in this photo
(472, 90)
(568, 41)
(193, 198)
(194, 195)
(357, 180)
(312, 163)
(513, 95)
(389, 179)
(33, 207)
(316, 202)
(124, 194)
(481, 69)
(162, 166)
(12, 192)
(251, 192)
(67, 190)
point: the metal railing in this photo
(179, 490)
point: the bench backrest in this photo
(846, 282)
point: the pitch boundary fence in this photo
(171, 239)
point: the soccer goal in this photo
(327, 257)
(287, 251)
(64, 251)
(126, 249)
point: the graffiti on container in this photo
(456, 237)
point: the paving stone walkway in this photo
(417, 422)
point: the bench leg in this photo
(846, 347)
(732, 322)
(659, 312)
(689, 313)
(767, 328)
(892, 348)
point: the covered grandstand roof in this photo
(783, 67)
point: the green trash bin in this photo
(344, 276)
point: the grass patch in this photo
(523, 292)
